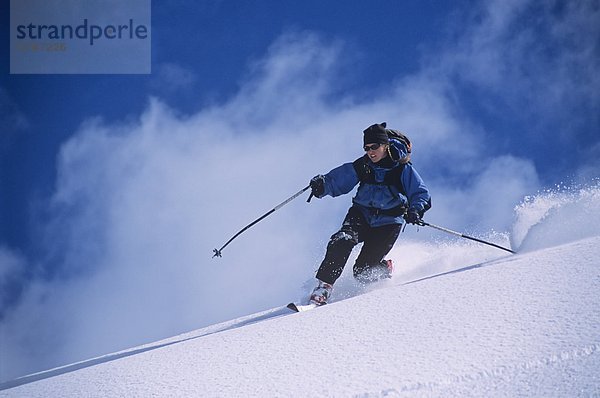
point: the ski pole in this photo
(279, 206)
(423, 223)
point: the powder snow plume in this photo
(549, 218)
(557, 216)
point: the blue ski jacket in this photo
(378, 201)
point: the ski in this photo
(301, 308)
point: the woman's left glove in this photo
(412, 217)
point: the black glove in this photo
(413, 217)
(317, 186)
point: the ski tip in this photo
(293, 307)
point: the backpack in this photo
(399, 136)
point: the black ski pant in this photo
(378, 241)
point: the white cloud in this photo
(10, 262)
(12, 271)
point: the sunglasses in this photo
(373, 147)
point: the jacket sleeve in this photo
(416, 191)
(340, 180)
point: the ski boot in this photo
(321, 293)
(389, 268)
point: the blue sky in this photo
(245, 103)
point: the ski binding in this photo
(301, 308)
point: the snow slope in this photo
(517, 325)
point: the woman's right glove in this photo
(317, 186)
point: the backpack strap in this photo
(367, 176)
(363, 171)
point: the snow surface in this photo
(468, 321)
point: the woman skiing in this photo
(390, 193)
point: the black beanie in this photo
(376, 134)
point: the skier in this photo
(390, 192)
